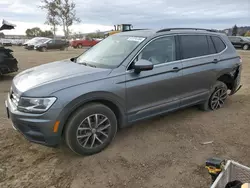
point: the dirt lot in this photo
(162, 152)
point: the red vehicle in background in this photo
(88, 42)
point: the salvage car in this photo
(8, 63)
(30, 45)
(127, 77)
(52, 44)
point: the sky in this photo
(155, 14)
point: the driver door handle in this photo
(215, 61)
(176, 69)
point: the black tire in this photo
(44, 49)
(79, 46)
(71, 132)
(245, 47)
(209, 104)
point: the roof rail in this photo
(138, 29)
(170, 29)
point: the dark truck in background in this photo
(240, 42)
(8, 62)
(53, 44)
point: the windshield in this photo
(40, 41)
(110, 52)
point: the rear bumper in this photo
(237, 79)
(36, 128)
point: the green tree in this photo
(47, 33)
(235, 30)
(33, 32)
(64, 12)
(247, 34)
(52, 17)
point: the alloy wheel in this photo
(93, 131)
(218, 98)
(245, 47)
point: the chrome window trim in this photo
(162, 36)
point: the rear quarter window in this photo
(219, 44)
(211, 45)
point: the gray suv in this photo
(127, 77)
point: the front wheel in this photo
(245, 47)
(217, 97)
(80, 46)
(44, 49)
(90, 129)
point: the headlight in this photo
(35, 105)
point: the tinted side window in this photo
(50, 42)
(218, 43)
(237, 39)
(193, 46)
(212, 49)
(58, 42)
(159, 51)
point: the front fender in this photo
(91, 97)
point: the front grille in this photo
(14, 98)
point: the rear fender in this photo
(236, 75)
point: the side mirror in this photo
(73, 59)
(142, 65)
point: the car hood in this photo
(60, 71)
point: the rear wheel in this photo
(90, 129)
(217, 98)
(245, 47)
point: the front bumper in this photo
(30, 47)
(36, 128)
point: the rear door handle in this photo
(176, 69)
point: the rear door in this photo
(199, 60)
(58, 44)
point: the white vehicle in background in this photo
(29, 45)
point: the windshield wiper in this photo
(87, 64)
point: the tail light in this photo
(240, 60)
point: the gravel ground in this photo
(162, 152)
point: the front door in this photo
(156, 91)
(51, 45)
